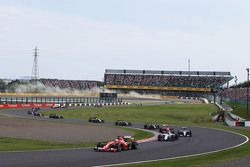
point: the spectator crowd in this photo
(166, 80)
(235, 93)
(70, 84)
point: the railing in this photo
(26, 100)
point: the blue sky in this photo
(79, 39)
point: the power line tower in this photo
(34, 75)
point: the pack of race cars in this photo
(121, 143)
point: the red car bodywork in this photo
(166, 129)
(117, 145)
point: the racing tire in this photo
(134, 145)
(160, 138)
(176, 137)
(99, 144)
(119, 148)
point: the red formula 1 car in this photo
(119, 144)
(165, 129)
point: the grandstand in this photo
(70, 84)
(166, 83)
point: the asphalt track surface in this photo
(203, 140)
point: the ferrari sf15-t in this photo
(120, 144)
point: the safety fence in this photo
(60, 105)
(46, 100)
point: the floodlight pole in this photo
(235, 89)
(247, 87)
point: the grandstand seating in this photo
(161, 80)
(70, 84)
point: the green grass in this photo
(240, 110)
(18, 144)
(14, 144)
(181, 114)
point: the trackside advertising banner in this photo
(28, 105)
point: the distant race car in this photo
(96, 120)
(33, 111)
(123, 123)
(184, 132)
(98, 105)
(56, 106)
(151, 126)
(55, 116)
(38, 114)
(121, 143)
(166, 129)
(168, 136)
(30, 112)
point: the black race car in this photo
(123, 123)
(96, 120)
(30, 112)
(55, 116)
(38, 114)
(151, 126)
(184, 132)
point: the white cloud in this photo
(81, 48)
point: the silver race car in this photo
(184, 132)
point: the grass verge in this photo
(240, 110)
(178, 114)
(17, 144)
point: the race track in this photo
(203, 140)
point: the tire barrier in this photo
(217, 116)
(229, 118)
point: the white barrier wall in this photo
(236, 117)
(205, 100)
(247, 123)
(229, 122)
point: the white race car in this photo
(168, 136)
(184, 132)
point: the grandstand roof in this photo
(157, 72)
